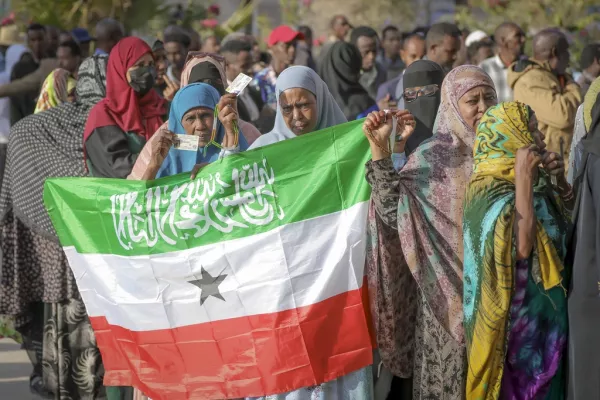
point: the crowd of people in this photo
(483, 278)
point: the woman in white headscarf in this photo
(304, 105)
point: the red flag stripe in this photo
(249, 356)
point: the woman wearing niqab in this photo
(422, 206)
(424, 107)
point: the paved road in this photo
(14, 372)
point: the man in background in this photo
(65, 36)
(83, 38)
(372, 75)
(543, 84)
(413, 49)
(282, 46)
(304, 54)
(30, 73)
(211, 44)
(161, 62)
(510, 47)
(590, 65)
(69, 57)
(37, 41)
(480, 51)
(339, 29)
(176, 46)
(238, 54)
(108, 33)
(389, 59)
(443, 43)
(195, 40)
(53, 34)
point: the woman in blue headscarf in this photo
(192, 113)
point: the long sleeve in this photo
(552, 106)
(30, 83)
(384, 181)
(108, 150)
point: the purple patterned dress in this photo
(533, 369)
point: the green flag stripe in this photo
(239, 196)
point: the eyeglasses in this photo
(411, 95)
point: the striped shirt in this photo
(496, 69)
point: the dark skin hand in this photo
(160, 148)
(526, 169)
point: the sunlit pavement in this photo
(14, 372)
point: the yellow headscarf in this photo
(589, 101)
(55, 90)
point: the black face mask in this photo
(143, 79)
(424, 108)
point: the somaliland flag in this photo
(244, 282)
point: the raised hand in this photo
(171, 89)
(378, 129)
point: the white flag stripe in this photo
(295, 265)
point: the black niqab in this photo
(207, 72)
(424, 108)
(340, 70)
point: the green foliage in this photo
(48, 12)
(67, 14)
(194, 12)
(291, 12)
(530, 15)
(572, 16)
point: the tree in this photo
(375, 13)
(570, 15)
(577, 18)
(67, 14)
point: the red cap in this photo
(285, 34)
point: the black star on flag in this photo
(209, 285)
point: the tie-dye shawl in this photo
(490, 254)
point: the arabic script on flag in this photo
(176, 212)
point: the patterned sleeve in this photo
(384, 181)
